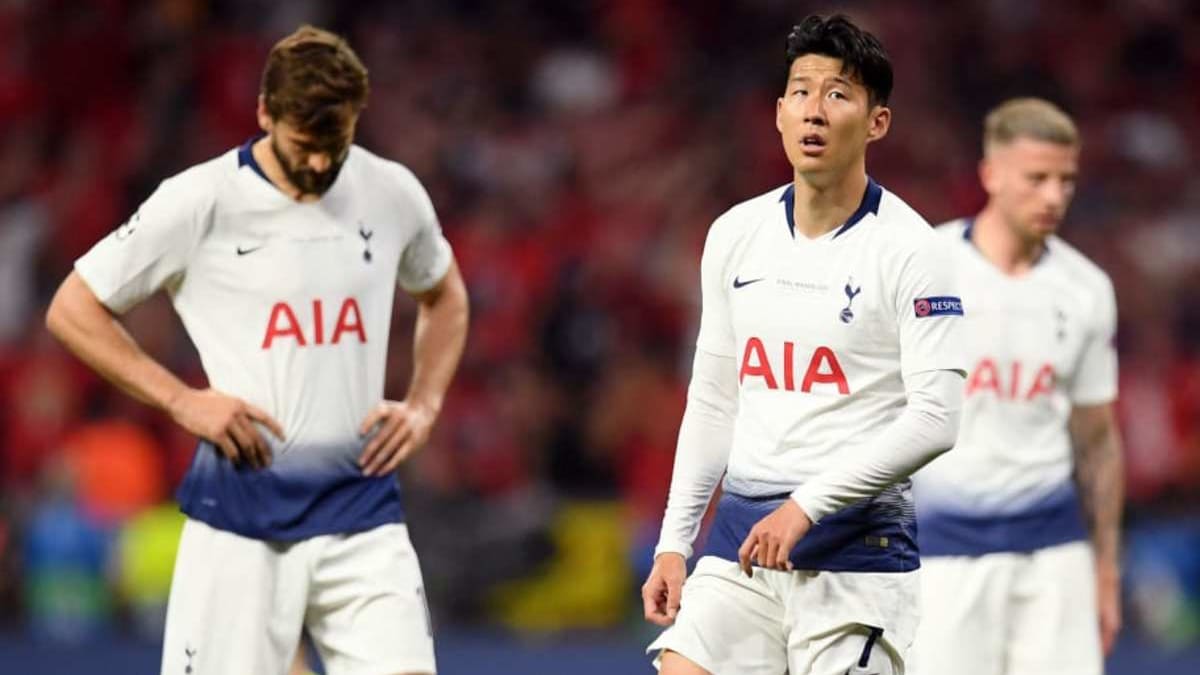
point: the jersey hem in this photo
(297, 533)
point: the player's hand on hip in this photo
(401, 428)
(228, 423)
(771, 540)
(661, 592)
(1108, 602)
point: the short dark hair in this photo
(309, 78)
(862, 56)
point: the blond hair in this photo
(1032, 118)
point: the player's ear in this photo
(879, 123)
(987, 175)
(264, 116)
(778, 115)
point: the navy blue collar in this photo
(870, 204)
(246, 157)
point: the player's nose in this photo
(814, 111)
(1056, 194)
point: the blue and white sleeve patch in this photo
(942, 305)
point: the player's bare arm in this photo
(86, 327)
(1099, 474)
(402, 427)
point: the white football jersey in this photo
(1037, 345)
(289, 305)
(824, 332)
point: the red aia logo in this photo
(283, 324)
(823, 368)
(988, 377)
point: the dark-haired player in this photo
(827, 370)
(282, 258)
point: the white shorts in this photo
(1009, 614)
(802, 622)
(237, 605)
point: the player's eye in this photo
(799, 92)
(835, 94)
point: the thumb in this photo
(746, 551)
(374, 417)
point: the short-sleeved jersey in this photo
(289, 305)
(1037, 345)
(824, 331)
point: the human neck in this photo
(269, 163)
(1003, 245)
(822, 206)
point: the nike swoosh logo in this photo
(738, 283)
(244, 251)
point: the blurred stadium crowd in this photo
(576, 153)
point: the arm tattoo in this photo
(1099, 475)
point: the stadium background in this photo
(576, 152)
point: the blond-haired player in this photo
(1011, 584)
